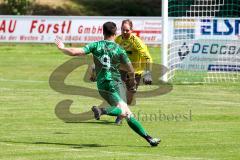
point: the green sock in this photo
(136, 126)
(112, 111)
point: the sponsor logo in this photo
(184, 29)
(7, 26)
(184, 34)
(215, 48)
(183, 51)
(224, 68)
(220, 27)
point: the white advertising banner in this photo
(201, 28)
(44, 29)
(205, 44)
(209, 55)
(82, 29)
(219, 28)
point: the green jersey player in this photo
(108, 58)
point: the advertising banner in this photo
(209, 55)
(199, 28)
(44, 29)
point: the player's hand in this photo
(59, 43)
(147, 78)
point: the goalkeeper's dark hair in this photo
(109, 29)
(129, 22)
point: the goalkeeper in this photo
(139, 56)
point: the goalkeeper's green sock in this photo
(137, 127)
(111, 111)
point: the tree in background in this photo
(81, 7)
(18, 7)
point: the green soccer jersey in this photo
(107, 58)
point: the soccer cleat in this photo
(154, 142)
(97, 112)
(118, 120)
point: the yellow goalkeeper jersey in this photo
(136, 50)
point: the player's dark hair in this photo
(129, 22)
(109, 29)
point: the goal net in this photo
(204, 41)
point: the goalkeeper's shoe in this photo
(153, 141)
(97, 112)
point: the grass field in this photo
(205, 124)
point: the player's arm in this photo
(69, 51)
(130, 70)
(143, 51)
(147, 63)
(147, 76)
(131, 73)
(126, 65)
(148, 60)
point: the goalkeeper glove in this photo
(147, 78)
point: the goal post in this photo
(201, 40)
(164, 38)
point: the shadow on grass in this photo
(101, 122)
(72, 145)
(60, 133)
(87, 145)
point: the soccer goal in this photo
(201, 40)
